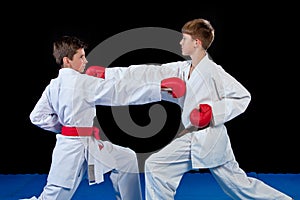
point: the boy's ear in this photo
(65, 60)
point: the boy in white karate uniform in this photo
(213, 97)
(67, 107)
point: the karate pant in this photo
(164, 170)
(126, 185)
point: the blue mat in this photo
(193, 186)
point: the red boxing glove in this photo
(97, 71)
(174, 85)
(201, 117)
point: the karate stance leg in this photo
(56, 192)
(236, 184)
(61, 193)
(125, 178)
(164, 169)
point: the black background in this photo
(256, 44)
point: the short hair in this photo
(67, 46)
(200, 29)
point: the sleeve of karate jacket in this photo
(233, 97)
(44, 116)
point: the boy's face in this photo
(187, 44)
(79, 61)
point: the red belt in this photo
(81, 131)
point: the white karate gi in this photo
(210, 147)
(70, 100)
(207, 148)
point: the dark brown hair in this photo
(66, 46)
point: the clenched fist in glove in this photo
(201, 117)
(174, 86)
(97, 71)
